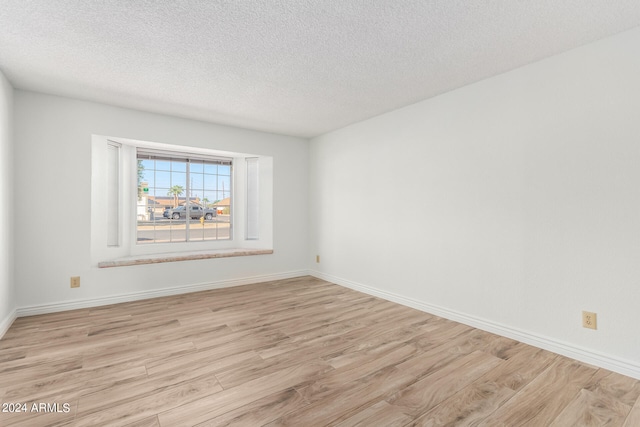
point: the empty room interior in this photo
(312, 213)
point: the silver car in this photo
(196, 212)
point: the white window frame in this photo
(188, 158)
(128, 247)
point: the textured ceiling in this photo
(301, 67)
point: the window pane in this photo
(196, 166)
(211, 169)
(196, 232)
(160, 179)
(179, 178)
(210, 196)
(162, 165)
(145, 164)
(178, 166)
(178, 234)
(224, 186)
(210, 181)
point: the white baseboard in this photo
(591, 357)
(135, 296)
(6, 323)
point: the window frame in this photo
(189, 159)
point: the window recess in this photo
(156, 202)
(183, 197)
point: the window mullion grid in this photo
(217, 193)
(175, 201)
(231, 182)
(199, 184)
(175, 175)
(187, 218)
(155, 198)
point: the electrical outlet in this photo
(75, 281)
(318, 259)
(589, 320)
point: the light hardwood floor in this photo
(299, 352)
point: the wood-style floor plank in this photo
(206, 409)
(298, 352)
(426, 393)
(468, 406)
(381, 413)
(339, 407)
(260, 411)
(592, 409)
(542, 400)
(633, 419)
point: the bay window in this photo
(151, 199)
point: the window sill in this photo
(182, 256)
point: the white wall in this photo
(53, 180)
(7, 295)
(512, 203)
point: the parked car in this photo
(196, 212)
(165, 214)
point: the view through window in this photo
(182, 197)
